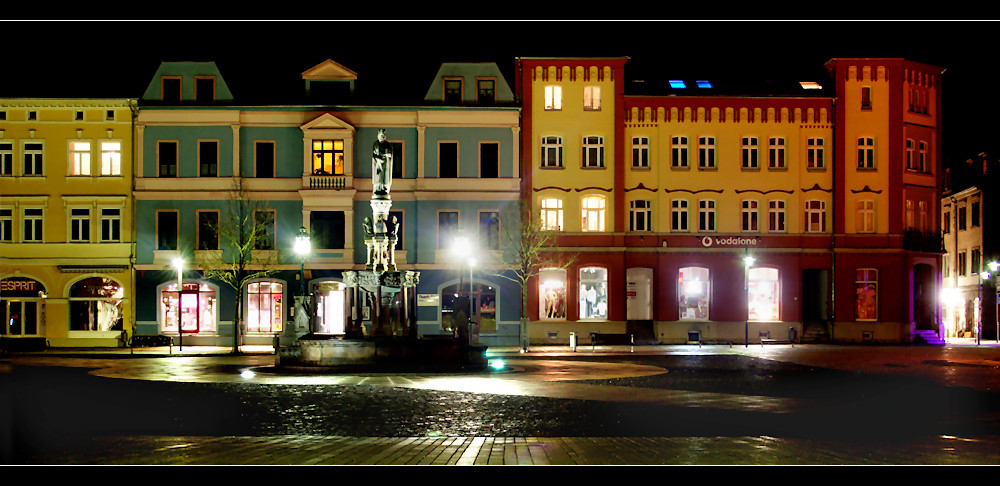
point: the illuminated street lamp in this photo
(178, 264)
(462, 250)
(747, 263)
(303, 247)
(994, 266)
(979, 309)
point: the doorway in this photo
(20, 317)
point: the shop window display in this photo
(263, 307)
(762, 294)
(552, 293)
(692, 293)
(867, 294)
(593, 293)
(195, 305)
(95, 304)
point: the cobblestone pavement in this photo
(775, 404)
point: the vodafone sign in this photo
(727, 241)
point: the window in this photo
(453, 91)
(640, 215)
(706, 152)
(866, 153)
(640, 152)
(79, 158)
(95, 304)
(815, 216)
(33, 155)
(326, 229)
(79, 115)
(593, 151)
(945, 266)
(911, 160)
(208, 230)
(692, 293)
(489, 160)
(678, 215)
(552, 293)
(922, 157)
(552, 151)
(263, 156)
(489, 230)
(398, 229)
(776, 216)
(447, 228)
(593, 213)
(397, 159)
(263, 230)
(111, 158)
(865, 219)
(166, 158)
(592, 98)
(762, 294)
(974, 214)
(111, 225)
(448, 160)
(79, 225)
(264, 309)
(776, 153)
(195, 306)
(7, 225)
(909, 214)
(166, 230)
(6, 159)
(170, 89)
(208, 158)
(593, 293)
(486, 93)
(976, 261)
(749, 152)
(553, 97)
(749, 216)
(961, 218)
(962, 269)
(706, 215)
(328, 157)
(922, 216)
(814, 153)
(552, 214)
(867, 294)
(204, 90)
(33, 225)
(679, 152)
(866, 98)
(946, 222)
(109, 115)
(32, 115)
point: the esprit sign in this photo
(20, 287)
(727, 241)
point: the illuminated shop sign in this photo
(728, 241)
(20, 287)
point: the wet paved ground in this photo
(776, 404)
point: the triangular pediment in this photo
(327, 121)
(329, 70)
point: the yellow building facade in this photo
(66, 241)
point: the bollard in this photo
(572, 340)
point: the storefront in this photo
(23, 306)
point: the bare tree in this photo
(524, 252)
(247, 240)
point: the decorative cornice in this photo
(640, 187)
(816, 187)
(717, 191)
(594, 188)
(563, 189)
(866, 189)
(741, 191)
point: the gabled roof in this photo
(329, 70)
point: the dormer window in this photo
(486, 91)
(204, 89)
(453, 91)
(170, 89)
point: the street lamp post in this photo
(747, 263)
(472, 312)
(462, 250)
(994, 266)
(179, 266)
(303, 247)
(979, 307)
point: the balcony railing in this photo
(335, 183)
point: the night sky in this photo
(114, 59)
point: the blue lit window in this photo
(676, 83)
(704, 84)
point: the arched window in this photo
(195, 306)
(95, 304)
(693, 293)
(264, 309)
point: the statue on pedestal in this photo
(381, 165)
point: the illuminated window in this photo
(703, 84)
(762, 294)
(866, 153)
(330, 307)
(679, 152)
(552, 214)
(95, 304)
(79, 225)
(814, 153)
(111, 225)
(692, 293)
(593, 293)
(640, 215)
(7, 225)
(552, 293)
(748, 216)
(910, 159)
(593, 151)
(922, 215)
(866, 284)
(263, 231)
(6, 159)
(33, 155)
(776, 216)
(677, 84)
(553, 97)
(593, 213)
(208, 158)
(749, 152)
(592, 98)
(32, 225)
(328, 157)
(706, 152)
(909, 214)
(264, 307)
(111, 158)
(776, 153)
(552, 151)
(640, 152)
(195, 307)
(815, 216)
(706, 215)
(486, 91)
(79, 158)
(865, 219)
(678, 215)
(166, 158)
(453, 91)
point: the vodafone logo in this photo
(708, 241)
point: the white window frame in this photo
(749, 215)
(640, 152)
(679, 152)
(776, 153)
(36, 223)
(865, 216)
(748, 153)
(7, 226)
(592, 148)
(79, 225)
(551, 214)
(552, 143)
(110, 219)
(111, 159)
(79, 157)
(866, 153)
(706, 152)
(7, 159)
(706, 215)
(591, 98)
(37, 156)
(553, 97)
(776, 216)
(679, 215)
(640, 214)
(593, 208)
(815, 207)
(815, 153)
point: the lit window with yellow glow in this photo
(692, 293)
(95, 304)
(79, 157)
(553, 97)
(593, 213)
(552, 214)
(111, 158)
(866, 303)
(592, 98)
(328, 157)
(552, 294)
